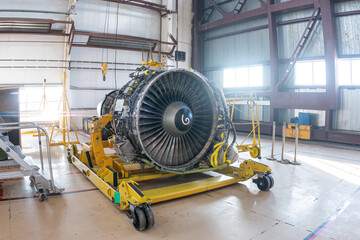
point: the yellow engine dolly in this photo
(119, 181)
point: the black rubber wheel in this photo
(263, 183)
(69, 156)
(271, 181)
(41, 197)
(150, 219)
(255, 152)
(139, 220)
(32, 179)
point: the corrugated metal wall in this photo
(347, 117)
(99, 16)
(253, 48)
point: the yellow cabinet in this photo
(304, 131)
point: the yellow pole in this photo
(258, 127)
(44, 95)
(232, 110)
(252, 119)
(64, 107)
(72, 121)
(65, 125)
(41, 108)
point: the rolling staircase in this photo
(18, 165)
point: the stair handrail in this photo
(19, 125)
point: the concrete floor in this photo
(319, 197)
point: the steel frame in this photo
(144, 4)
(126, 37)
(72, 32)
(38, 20)
(118, 183)
(280, 97)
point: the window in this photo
(229, 78)
(250, 76)
(310, 73)
(348, 71)
(30, 99)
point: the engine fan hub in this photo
(177, 119)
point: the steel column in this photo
(328, 22)
(197, 38)
(274, 55)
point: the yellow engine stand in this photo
(118, 180)
(43, 106)
(65, 127)
(255, 147)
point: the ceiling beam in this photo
(262, 12)
(144, 4)
(217, 7)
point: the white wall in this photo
(86, 87)
(93, 15)
(11, 48)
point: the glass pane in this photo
(229, 78)
(53, 93)
(303, 73)
(34, 94)
(319, 73)
(355, 65)
(344, 72)
(242, 77)
(256, 76)
(22, 96)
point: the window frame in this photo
(350, 60)
(247, 67)
(313, 84)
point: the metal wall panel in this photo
(241, 49)
(253, 47)
(348, 34)
(287, 45)
(347, 117)
(346, 6)
(100, 16)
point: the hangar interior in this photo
(238, 118)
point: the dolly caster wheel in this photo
(42, 197)
(142, 217)
(69, 156)
(255, 152)
(150, 220)
(32, 179)
(264, 183)
(139, 219)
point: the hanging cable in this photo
(116, 32)
(104, 65)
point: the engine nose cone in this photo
(177, 119)
(183, 119)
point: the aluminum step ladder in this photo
(300, 46)
(207, 14)
(43, 183)
(239, 6)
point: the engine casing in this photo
(172, 118)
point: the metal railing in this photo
(27, 125)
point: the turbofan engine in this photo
(174, 119)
